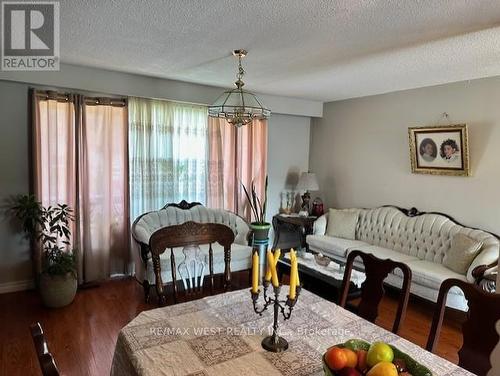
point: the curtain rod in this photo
(90, 101)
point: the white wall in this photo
(288, 154)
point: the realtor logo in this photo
(30, 35)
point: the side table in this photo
(290, 231)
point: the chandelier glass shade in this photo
(239, 107)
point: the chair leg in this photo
(227, 269)
(147, 287)
(159, 283)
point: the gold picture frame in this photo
(440, 150)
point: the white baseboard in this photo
(16, 286)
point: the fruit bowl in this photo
(414, 368)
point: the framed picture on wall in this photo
(441, 150)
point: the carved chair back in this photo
(479, 330)
(190, 235)
(376, 270)
(45, 358)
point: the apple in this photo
(379, 352)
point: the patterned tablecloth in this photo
(221, 335)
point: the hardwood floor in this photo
(82, 336)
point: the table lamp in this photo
(307, 182)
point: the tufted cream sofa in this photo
(174, 214)
(419, 240)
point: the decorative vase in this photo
(260, 230)
(57, 290)
(260, 242)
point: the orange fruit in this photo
(361, 354)
(336, 358)
(352, 358)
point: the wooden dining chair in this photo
(45, 358)
(190, 235)
(372, 289)
(479, 330)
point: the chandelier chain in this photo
(241, 71)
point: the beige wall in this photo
(359, 149)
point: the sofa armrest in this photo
(484, 261)
(486, 277)
(482, 271)
(319, 226)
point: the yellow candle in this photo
(277, 254)
(293, 276)
(270, 260)
(297, 281)
(255, 272)
(274, 273)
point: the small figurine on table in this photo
(305, 207)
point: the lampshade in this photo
(308, 182)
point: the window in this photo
(168, 154)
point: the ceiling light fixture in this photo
(239, 107)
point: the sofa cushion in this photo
(384, 253)
(462, 252)
(342, 224)
(240, 260)
(332, 246)
(430, 274)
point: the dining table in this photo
(222, 334)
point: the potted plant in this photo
(260, 227)
(49, 228)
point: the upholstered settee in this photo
(420, 240)
(175, 214)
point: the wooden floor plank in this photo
(82, 336)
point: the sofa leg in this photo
(146, 286)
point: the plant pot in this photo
(57, 290)
(260, 230)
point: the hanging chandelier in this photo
(239, 107)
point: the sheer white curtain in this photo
(168, 153)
